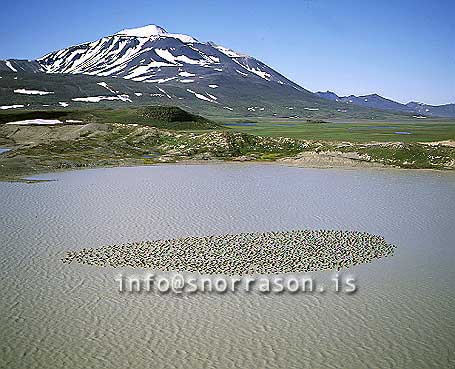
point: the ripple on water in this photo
(57, 315)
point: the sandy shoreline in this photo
(307, 163)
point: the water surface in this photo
(240, 124)
(69, 315)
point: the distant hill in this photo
(167, 117)
(378, 102)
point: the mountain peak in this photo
(329, 95)
(154, 31)
(146, 31)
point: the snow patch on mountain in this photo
(143, 72)
(8, 64)
(228, 52)
(214, 58)
(254, 70)
(259, 73)
(23, 91)
(146, 31)
(154, 31)
(200, 96)
(164, 92)
(168, 56)
(5, 107)
(96, 99)
(186, 74)
(37, 122)
(160, 80)
(211, 96)
(104, 84)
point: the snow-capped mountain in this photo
(376, 101)
(151, 54)
(149, 65)
(188, 69)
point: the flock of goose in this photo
(244, 253)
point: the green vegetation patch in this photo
(168, 117)
(408, 131)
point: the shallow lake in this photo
(70, 315)
(240, 124)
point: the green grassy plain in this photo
(355, 131)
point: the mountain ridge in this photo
(379, 102)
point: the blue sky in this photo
(404, 50)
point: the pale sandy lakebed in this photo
(72, 315)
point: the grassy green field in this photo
(359, 131)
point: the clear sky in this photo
(401, 49)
